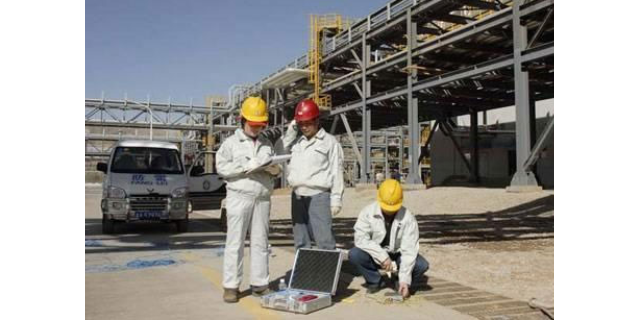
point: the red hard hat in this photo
(306, 110)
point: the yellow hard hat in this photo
(254, 109)
(390, 195)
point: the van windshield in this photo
(146, 160)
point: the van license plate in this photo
(148, 215)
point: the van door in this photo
(206, 188)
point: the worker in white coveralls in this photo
(386, 237)
(248, 198)
(315, 175)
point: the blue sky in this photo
(188, 49)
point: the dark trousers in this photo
(311, 217)
(369, 268)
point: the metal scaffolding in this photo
(135, 114)
(409, 62)
(108, 121)
(413, 61)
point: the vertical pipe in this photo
(412, 107)
(473, 141)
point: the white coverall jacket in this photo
(316, 165)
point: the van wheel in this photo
(223, 219)
(183, 225)
(108, 225)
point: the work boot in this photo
(230, 295)
(259, 291)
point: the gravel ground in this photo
(484, 238)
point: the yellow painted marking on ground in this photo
(247, 303)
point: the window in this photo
(146, 160)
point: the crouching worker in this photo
(386, 237)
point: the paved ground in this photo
(147, 271)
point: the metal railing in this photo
(353, 33)
(330, 44)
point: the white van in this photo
(145, 180)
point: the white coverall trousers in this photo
(243, 211)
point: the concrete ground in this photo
(490, 252)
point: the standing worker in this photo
(248, 198)
(315, 174)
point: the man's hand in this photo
(386, 265)
(335, 211)
(273, 169)
(292, 130)
(252, 164)
(403, 289)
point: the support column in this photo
(401, 151)
(386, 156)
(522, 177)
(283, 121)
(532, 126)
(412, 107)
(473, 142)
(365, 169)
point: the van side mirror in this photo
(197, 171)
(102, 167)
